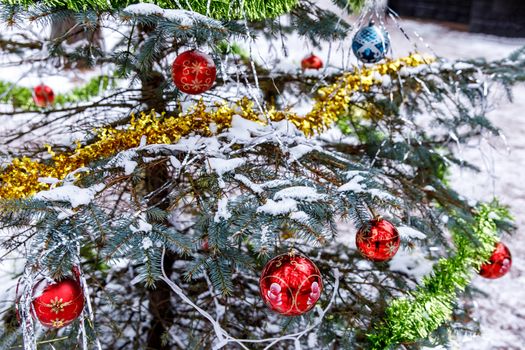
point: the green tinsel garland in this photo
(219, 9)
(22, 97)
(431, 304)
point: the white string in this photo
(25, 310)
(252, 63)
(395, 17)
(208, 6)
(189, 5)
(89, 307)
(218, 306)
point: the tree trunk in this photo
(156, 177)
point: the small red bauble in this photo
(312, 62)
(499, 263)
(58, 304)
(205, 245)
(290, 284)
(193, 72)
(379, 241)
(43, 95)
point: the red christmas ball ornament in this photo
(58, 304)
(311, 62)
(499, 263)
(43, 95)
(205, 245)
(379, 241)
(290, 284)
(193, 72)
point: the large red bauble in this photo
(43, 95)
(193, 72)
(499, 263)
(312, 62)
(290, 284)
(58, 304)
(379, 241)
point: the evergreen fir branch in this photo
(121, 241)
(319, 25)
(150, 267)
(220, 275)
(195, 268)
(175, 241)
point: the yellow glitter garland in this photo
(20, 179)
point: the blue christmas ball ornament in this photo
(371, 44)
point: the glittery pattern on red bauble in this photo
(499, 263)
(290, 284)
(193, 72)
(58, 304)
(43, 95)
(312, 62)
(379, 241)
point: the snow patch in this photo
(144, 9)
(429, 188)
(299, 151)
(265, 236)
(147, 243)
(300, 216)
(183, 17)
(354, 185)
(463, 65)
(223, 166)
(242, 129)
(142, 226)
(275, 183)
(75, 195)
(222, 210)
(48, 180)
(384, 196)
(272, 207)
(250, 184)
(175, 162)
(303, 193)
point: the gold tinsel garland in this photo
(21, 178)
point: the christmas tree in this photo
(197, 190)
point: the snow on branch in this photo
(75, 195)
(358, 184)
(182, 17)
